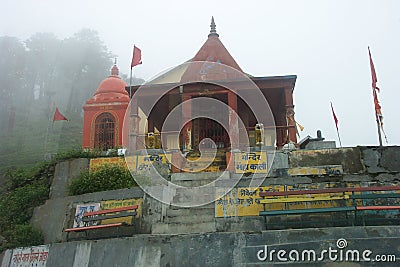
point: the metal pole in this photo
(130, 85)
(379, 129)
(340, 141)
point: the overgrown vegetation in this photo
(23, 191)
(107, 177)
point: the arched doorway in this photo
(104, 131)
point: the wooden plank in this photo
(305, 192)
(378, 208)
(375, 196)
(305, 211)
(302, 199)
(331, 190)
(134, 207)
(107, 216)
(376, 188)
(78, 229)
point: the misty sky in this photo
(324, 43)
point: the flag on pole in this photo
(373, 72)
(58, 116)
(375, 90)
(336, 124)
(335, 118)
(137, 57)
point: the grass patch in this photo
(107, 177)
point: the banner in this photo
(97, 163)
(81, 209)
(30, 256)
(113, 204)
(251, 162)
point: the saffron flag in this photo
(137, 57)
(58, 116)
(335, 118)
(373, 72)
(375, 89)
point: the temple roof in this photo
(111, 89)
(214, 50)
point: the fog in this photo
(323, 42)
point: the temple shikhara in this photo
(209, 74)
(104, 114)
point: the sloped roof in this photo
(213, 50)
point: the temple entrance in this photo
(104, 132)
(207, 128)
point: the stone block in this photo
(64, 173)
(349, 158)
(321, 145)
(390, 159)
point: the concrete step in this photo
(198, 176)
(208, 206)
(178, 228)
(188, 219)
(190, 211)
(193, 199)
(194, 183)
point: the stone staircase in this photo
(198, 219)
(197, 162)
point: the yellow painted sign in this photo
(144, 162)
(243, 201)
(97, 163)
(251, 162)
(113, 204)
(246, 201)
(318, 170)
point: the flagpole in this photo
(340, 141)
(130, 85)
(379, 129)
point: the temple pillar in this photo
(233, 120)
(186, 117)
(289, 108)
(134, 119)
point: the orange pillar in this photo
(290, 114)
(233, 120)
(186, 115)
(134, 126)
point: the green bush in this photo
(25, 190)
(21, 177)
(19, 203)
(77, 153)
(108, 177)
(21, 235)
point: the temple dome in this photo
(111, 89)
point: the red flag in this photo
(335, 118)
(373, 72)
(375, 88)
(378, 111)
(58, 116)
(137, 57)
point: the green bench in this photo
(346, 201)
(94, 219)
(373, 193)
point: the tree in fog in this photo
(42, 73)
(12, 64)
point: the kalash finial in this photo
(115, 70)
(213, 31)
